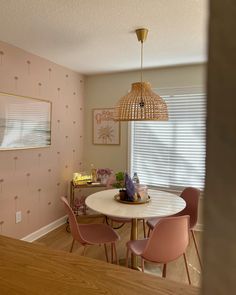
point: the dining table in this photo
(159, 204)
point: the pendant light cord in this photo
(141, 100)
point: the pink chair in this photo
(191, 197)
(91, 234)
(167, 242)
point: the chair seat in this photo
(98, 233)
(151, 222)
(137, 246)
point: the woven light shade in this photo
(140, 104)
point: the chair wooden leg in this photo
(196, 247)
(72, 245)
(164, 270)
(186, 266)
(115, 253)
(105, 247)
(127, 258)
(142, 264)
(144, 229)
(112, 258)
(149, 231)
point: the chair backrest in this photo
(191, 197)
(74, 227)
(168, 240)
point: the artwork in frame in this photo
(105, 129)
(25, 122)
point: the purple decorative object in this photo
(130, 189)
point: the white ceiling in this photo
(97, 36)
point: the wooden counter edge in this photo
(18, 257)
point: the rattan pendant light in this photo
(141, 103)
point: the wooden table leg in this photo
(134, 236)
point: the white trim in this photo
(45, 229)
(199, 227)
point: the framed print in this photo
(105, 129)
(25, 122)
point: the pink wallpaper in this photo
(32, 180)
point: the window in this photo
(171, 155)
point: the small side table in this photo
(73, 187)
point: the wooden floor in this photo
(60, 239)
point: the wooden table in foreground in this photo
(27, 268)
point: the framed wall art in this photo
(25, 122)
(105, 129)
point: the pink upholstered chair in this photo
(91, 234)
(191, 197)
(167, 242)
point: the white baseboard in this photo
(199, 227)
(44, 230)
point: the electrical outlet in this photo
(18, 216)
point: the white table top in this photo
(161, 204)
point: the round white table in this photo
(161, 204)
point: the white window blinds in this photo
(171, 154)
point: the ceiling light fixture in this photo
(141, 103)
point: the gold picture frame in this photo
(106, 131)
(25, 122)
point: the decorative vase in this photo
(123, 195)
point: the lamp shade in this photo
(141, 104)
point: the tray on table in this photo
(138, 202)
